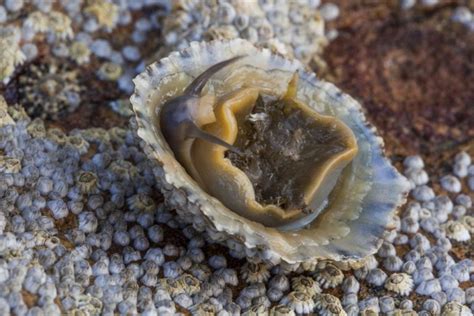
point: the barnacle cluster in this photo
(293, 28)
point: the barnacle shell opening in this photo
(362, 202)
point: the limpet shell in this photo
(349, 228)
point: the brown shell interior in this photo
(287, 169)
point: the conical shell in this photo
(351, 226)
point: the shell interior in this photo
(360, 204)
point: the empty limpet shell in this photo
(315, 186)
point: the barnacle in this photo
(370, 311)
(60, 25)
(88, 304)
(329, 276)
(86, 181)
(9, 165)
(255, 272)
(300, 302)
(294, 28)
(48, 90)
(172, 286)
(402, 312)
(38, 21)
(204, 309)
(468, 222)
(400, 283)
(18, 113)
(36, 128)
(57, 136)
(123, 169)
(110, 71)
(79, 52)
(189, 284)
(281, 310)
(5, 118)
(265, 154)
(327, 304)
(456, 230)
(305, 284)
(10, 52)
(106, 13)
(141, 202)
(79, 143)
(454, 308)
(255, 310)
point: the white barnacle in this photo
(59, 24)
(300, 302)
(327, 304)
(106, 13)
(255, 272)
(79, 52)
(5, 118)
(455, 308)
(305, 284)
(10, 52)
(456, 231)
(400, 283)
(468, 222)
(37, 21)
(9, 165)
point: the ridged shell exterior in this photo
(344, 232)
